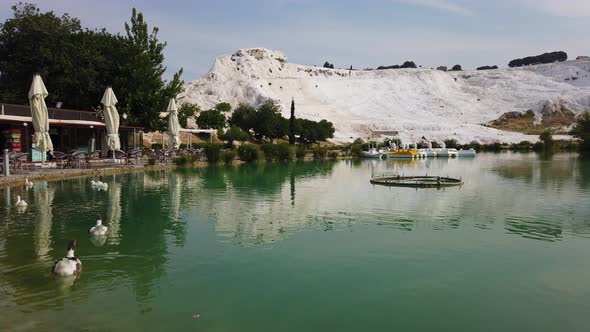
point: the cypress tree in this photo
(292, 124)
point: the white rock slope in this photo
(415, 102)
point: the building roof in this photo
(62, 117)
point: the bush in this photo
(456, 68)
(300, 152)
(157, 146)
(451, 143)
(213, 152)
(492, 147)
(284, 152)
(233, 134)
(581, 130)
(182, 161)
(248, 153)
(546, 137)
(229, 156)
(356, 150)
(211, 119)
(319, 152)
(151, 161)
(269, 150)
(333, 154)
(487, 67)
(543, 58)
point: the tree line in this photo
(78, 63)
(262, 123)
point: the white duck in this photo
(94, 183)
(103, 185)
(19, 202)
(99, 229)
(69, 265)
(28, 183)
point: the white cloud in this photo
(444, 5)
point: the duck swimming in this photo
(19, 202)
(99, 229)
(69, 265)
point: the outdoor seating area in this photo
(79, 159)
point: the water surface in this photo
(307, 247)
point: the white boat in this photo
(428, 152)
(444, 152)
(372, 153)
(466, 153)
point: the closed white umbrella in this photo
(173, 125)
(37, 95)
(111, 120)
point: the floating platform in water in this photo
(417, 181)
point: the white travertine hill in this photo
(414, 102)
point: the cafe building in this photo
(69, 130)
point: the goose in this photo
(19, 202)
(28, 183)
(99, 229)
(103, 185)
(69, 265)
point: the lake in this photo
(306, 246)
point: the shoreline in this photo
(61, 174)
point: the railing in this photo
(53, 113)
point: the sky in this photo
(364, 34)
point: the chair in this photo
(61, 159)
(16, 159)
(134, 155)
(94, 155)
(79, 159)
(22, 160)
(161, 155)
(120, 154)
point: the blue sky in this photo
(359, 33)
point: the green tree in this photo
(233, 134)
(78, 64)
(546, 137)
(185, 112)
(211, 119)
(581, 130)
(269, 123)
(223, 107)
(145, 94)
(34, 42)
(292, 123)
(244, 117)
(450, 143)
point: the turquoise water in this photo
(307, 247)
